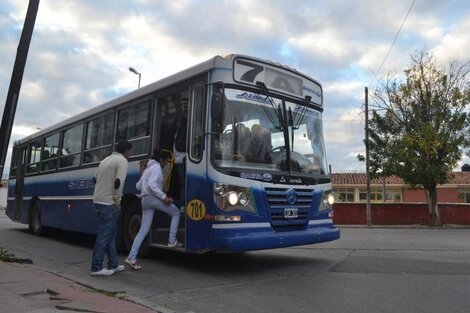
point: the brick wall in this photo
(444, 195)
(399, 213)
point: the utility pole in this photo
(368, 211)
(16, 79)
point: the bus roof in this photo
(214, 62)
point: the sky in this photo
(81, 51)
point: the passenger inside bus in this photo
(173, 132)
(259, 150)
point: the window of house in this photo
(376, 195)
(345, 195)
(99, 138)
(71, 146)
(134, 126)
(393, 196)
(465, 195)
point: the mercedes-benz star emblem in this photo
(291, 196)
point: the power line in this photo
(394, 40)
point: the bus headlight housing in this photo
(230, 198)
(327, 201)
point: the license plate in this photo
(290, 212)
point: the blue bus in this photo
(254, 163)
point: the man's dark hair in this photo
(123, 146)
(159, 154)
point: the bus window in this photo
(99, 138)
(34, 156)
(174, 110)
(134, 126)
(50, 153)
(15, 162)
(197, 126)
(71, 146)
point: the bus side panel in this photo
(197, 229)
(74, 215)
(10, 209)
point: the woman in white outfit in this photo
(153, 197)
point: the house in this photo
(394, 202)
(351, 187)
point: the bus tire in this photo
(131, 225)
(35, 225)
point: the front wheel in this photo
(131, 224)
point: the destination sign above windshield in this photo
(275, 78)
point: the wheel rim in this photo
(36, 220)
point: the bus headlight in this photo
(243, 199)
(230, 198)
(327, 201)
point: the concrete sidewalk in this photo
(26, 288)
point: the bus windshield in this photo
(260, 132)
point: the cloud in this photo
(81, 50)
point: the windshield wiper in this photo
(277, 110)
(281, 113)
(299, 120)
(302, 112)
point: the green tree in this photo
(420, 125)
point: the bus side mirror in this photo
(217, 104)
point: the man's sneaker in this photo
(175, 244)
(103, 272)
(118, 269)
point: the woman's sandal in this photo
(133, 265)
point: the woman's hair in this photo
(159, 154)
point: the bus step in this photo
(164, 246)
(160, 236)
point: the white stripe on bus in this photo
(56, 198)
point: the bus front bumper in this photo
(269, 239)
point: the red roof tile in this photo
(459, 178)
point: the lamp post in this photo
(133, 70)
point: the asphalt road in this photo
(367, 270)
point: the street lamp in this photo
(135, 72)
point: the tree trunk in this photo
(431, 197)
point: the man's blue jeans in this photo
(106, 240)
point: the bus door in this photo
(197, 229)
(172, 111)
(20, 163)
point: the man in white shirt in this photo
(109, 183)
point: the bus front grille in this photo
(278, 204)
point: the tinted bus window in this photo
(134, 126)
(14, 162)
(198, 124)
(50, 153)
(71, 146)
(99, 138)
(34, 156)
